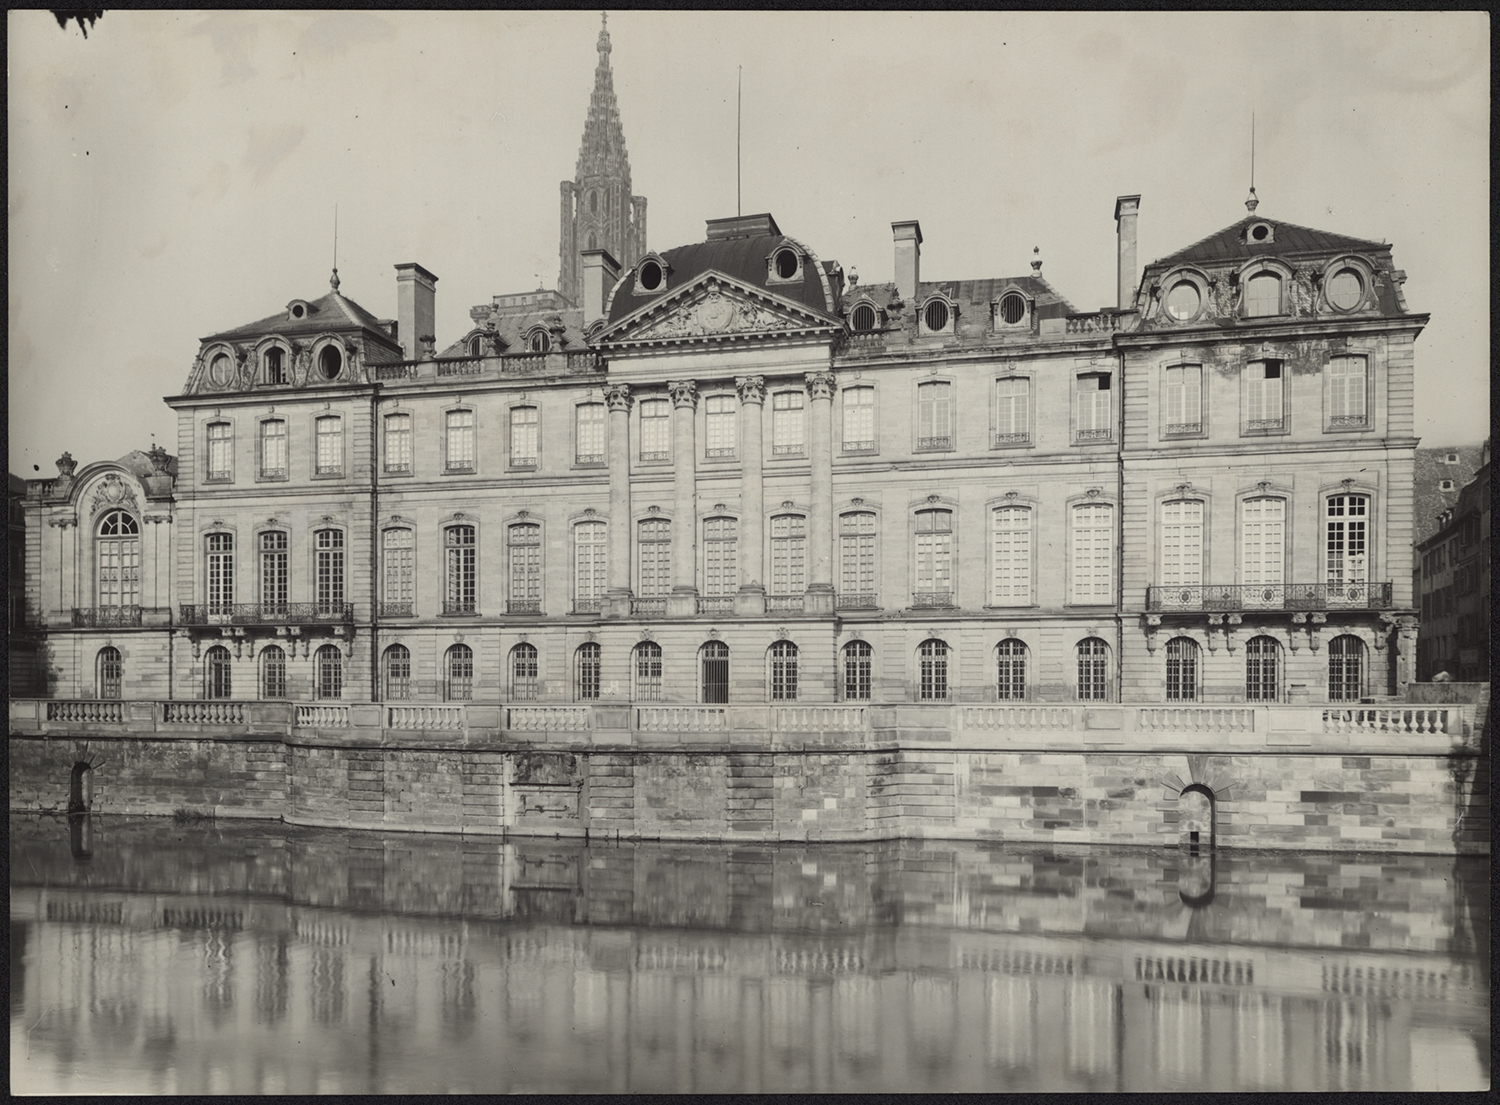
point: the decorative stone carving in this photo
(66, 466)
(112, 491)
(684, 393)
(590, 637)
(647, 635)
(160, 460)
(713, 634)
(617, 397)
(781, 633)
(716, 313)
(820, 385)
(751, 389)
(1094, 492)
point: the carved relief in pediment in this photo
(112, 491)
(715, 311)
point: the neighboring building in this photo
(1453, 586)
(1440, 473)
(22, 674)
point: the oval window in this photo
(786, 264)
(1346, 289)
(330, 361)
(1184, 300)
(218, 371)
(1012, 309)
(863, 318)
(298, 311)
(936, 315)
(650, 276)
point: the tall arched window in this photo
(720, 541)
(219, 576)
(523, 672)
(1010, 533)
(933, 582)
(783, 672)
(525, 541)
(458, 669)
(1182, 670)
(1262, 669)
(1010, 659)
(788, 554)
(216, 677)
(328, 672)
(1093, 553)
(1263, 551)
(857, 671)
(1346, 669)
(220, 463)
(328, 570)
(396, 668)
(646, 673)
(460, 581)
(932, 670)
(1346, 549)
(715, 659)
(654, 538)
(857, 589)
(1093, 670)
(1182, 543)
(118, 555)
(586, 665)
(273, 572)
(398, 581)
(589, 565)
(108, 668)
(272, 672)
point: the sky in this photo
(175, 174)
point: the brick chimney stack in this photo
(1126, 210)
(600, 271)
(908, 237)
(416, 315)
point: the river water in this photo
(149, 957)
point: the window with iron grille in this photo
(1182, 670)
(932, 670)
(220, 573)
(719, 425)
(1262, 669)
(589, 560)
(720, 541)
(458, 664)
(525, 540)
(398, 580)
(1182, 400)
(1093, 670)
(330, 445)
(858, 662)
(1264, 398)
(1013, 410)
(328, 672)
(118, 555)
(586, 667)
(654, 539)
(1010, 657)
(935, 415)
(656, 430)
(216, 673)
(862, 318)
(1263, 295)
(328, 569)
(272, 672)
(935, 316)
(398, 442)
(715, 660)
(1094, 411)
(646, 673)
(397, 670)
(783, 671)
(788, 554)
(588, 433)
(1093, 553)
(523, 672)
(788, 424)
(525, 436)
(1010, 531)
(273, 568)
(1182, 543)
(1347, 556)
(859, 419)
(108, 672)
(220, 451)
(857, 558)
(1346, 669)
(273, 453)
(1346, 393)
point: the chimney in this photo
(1126, 210)
(415, 315)
(908, 257)
(600, 271)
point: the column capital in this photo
(684, 393)
(617, 397)
(751, 389)
(820, 384)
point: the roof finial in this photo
(1036, 264)
(333, 281)
(1251, 203)
(604, 36)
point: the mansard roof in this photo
(332, 312)
(1233, 244)
(1049, 302)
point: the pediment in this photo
(717, 307)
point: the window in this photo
(476, 345)
(1445, 485)
(460, 553)
(1010, 662)
(934, 558)
(1263, 550)
(1346, 557)
(859, 420)
(1345, 289)
(1012, 308)
(398, 575)
(650, 276)
(219, 577)
(221, 371)
(788, 428)
(460, 441)
(1345, 402)
(588, 433)
(272, 672)
(655, 542)
(586, 665)
(646, 673)
(932, 671)
(1182, 670)
(786, 263)
(275, 365)
(589, 553)
(107, 672)
(398, 443)
(935, 415)
(788, 554)
(523, 672)
(1093, 553)
(330, 445)
(935, 316)
(118, 556)
(396, 665)
(715, 659)
(216, 673)
(525, 541)
(1093, 407)
(1184, 301)
(1093, 670)
(862, 318)
(719, 418)
(1182, 543)
(1264, 410)
(273, 464)
(330, 362)
(328, 672)
(458, 669)
(328, 570)
(783, 681)
(1013, 411)
(1262, 669)
(273, 571)
(1263, 295)
(1010, 533)
(525, 430)
(857, 560)
(857, 671)
(656, 430)
(1182, 400)
(720, 540)
(220, 451)
(1346, 669)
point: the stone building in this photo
(1452, 575)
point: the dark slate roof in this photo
(332, 312)
(743, 259)
(1289, 238)
(1427, 469)
(981, 293)
(140, 463)
(513, 327)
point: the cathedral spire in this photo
(603, 146)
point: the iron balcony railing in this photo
(588, 605)
(266, 613)
(1270, 596)
(405, 609)
(523, 606)
(460, 606)
(932, 600)
(101, 617)
(850, 600)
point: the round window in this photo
(1012, 309)
(218, 371)
(936, 315)
(863, 318)
(650, 276)
(786, 264)
(1184, 300)
(1346, 289)
(1260, 233)
(298, 311)
(330, 361)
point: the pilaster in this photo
(751, 599)
(617, 602)
(683, 601)
(820, 594)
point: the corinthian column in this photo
(617, 398)
(752, 594)
(684, 597)
(820, 598)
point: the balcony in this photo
(649, 607)
(1091, 436)
(460, 607)
(588, 460)
(932, 600)
(398, 609)
(1269, 596)
(934, 444)
(784, 604)
(716, 604)
(1004, 441)
(850, 600)
(588, 606)
(267, 613)
(523, 606)
(102, 617)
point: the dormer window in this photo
(538, 341)
(220, 370)
(274, 363)
(476, 346)
(784, 265)
(651, 275)
(1263, 295)
(937, 315)
(1013, 311)
(1184, 301)
(299, 309)
(1260, 234)
(330, 362)
(863, 318)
